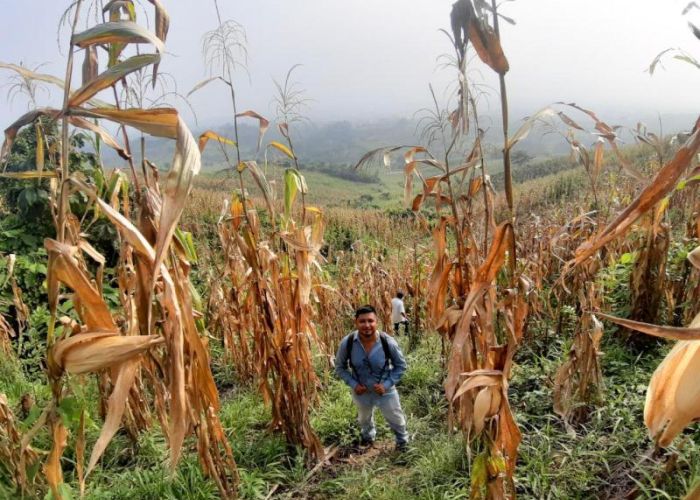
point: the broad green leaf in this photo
(291, 187)
(187, 243)
(626, 258)
(479, 475)
(110, 77)
(69, 409)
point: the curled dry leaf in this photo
(663, 332)
(92, 351)
(126, 373)
(26, 119)
(263, 123)
(52, 466)
(162, 27)
(90, 65)
(89, 304)
(488, 46)
(673, 396)
(210, 134)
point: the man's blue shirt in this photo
(371, 367)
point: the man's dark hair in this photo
(399, 294)
(366, 309)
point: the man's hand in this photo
(379, 389)
(360, 389)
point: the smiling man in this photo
(372, 363)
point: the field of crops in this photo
(166, 333)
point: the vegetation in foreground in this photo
(193, 361)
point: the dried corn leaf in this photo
(663, 183)
(210, 134)
(26, 119)
(126, 373)
(159, 122)
(673, 397)
(52, 467)
(111, 76)
(92, 351)
(664, 332)
(90, 67)
(89, 302)
(106, 137)
(487, 46)
(162, 27)
(263, 123)
(503, 244)
(117, 32)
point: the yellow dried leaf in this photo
(93, 351)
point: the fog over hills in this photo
(345, 142)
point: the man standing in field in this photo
(398, 313)
(372, 363)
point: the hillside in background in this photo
(344, 143)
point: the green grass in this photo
(603, 458)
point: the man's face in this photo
(366, 324)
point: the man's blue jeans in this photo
(390, 406)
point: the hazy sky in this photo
(367, 59)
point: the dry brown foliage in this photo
(579, 381)
(16, 457)
(156, 342)
(270, 292)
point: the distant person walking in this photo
(398, 313)
(371, 363)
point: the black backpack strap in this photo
(385, 347)
(348, 351)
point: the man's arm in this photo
(341, 361)
(398, 365)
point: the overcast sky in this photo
(370, 59)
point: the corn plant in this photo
(156, 337)
(476, 296)
(270, 278)
(671, 403)
(271, 281)
(578, 383)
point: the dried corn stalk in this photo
(277, 288)
(579, 381)
(156, 342)
(14, 456)
(672, 400)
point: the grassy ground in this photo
(604, 458)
